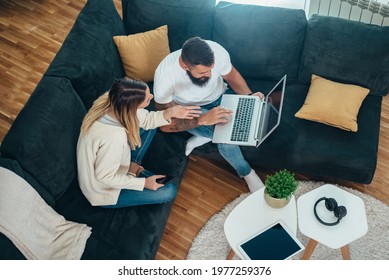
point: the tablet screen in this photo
(273, 243)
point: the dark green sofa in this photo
(41, 144)
(264, 43)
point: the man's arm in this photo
(176, 125)
(214, 116)
(238, 83)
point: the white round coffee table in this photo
(350, 228)
(252, 215)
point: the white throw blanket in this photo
(34, 227)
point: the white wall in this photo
(345, 10)
(294, 4)
(324, 7)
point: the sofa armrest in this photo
(43, 138)
(89, 57)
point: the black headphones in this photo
(331, 205)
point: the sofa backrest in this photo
(263, 42)
(348, 52)
(43, 137)
(89, 57)
(184, 18)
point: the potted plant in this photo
(279, 188)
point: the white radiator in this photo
(368, 11)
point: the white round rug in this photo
(211, 244)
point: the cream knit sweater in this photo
(104, 156)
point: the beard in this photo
(201, 82)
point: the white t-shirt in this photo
(171, 82)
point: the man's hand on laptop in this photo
(214, 116)
(259, 94)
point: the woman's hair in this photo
(123, 99)
(196, 51)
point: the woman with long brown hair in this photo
(115, 135)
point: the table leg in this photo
(345, 252)
(230, 254)
(309, 249)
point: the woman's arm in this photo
(182, 112)
(108, 164)
(214, 116)
(176, 124)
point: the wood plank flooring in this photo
(32, 31)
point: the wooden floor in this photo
(32, 31)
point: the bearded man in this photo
(197, 75)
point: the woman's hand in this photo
(182, 112)
(151, 183)
(215, 115)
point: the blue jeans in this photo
(231, 153)
(145, 136)
(134, 198)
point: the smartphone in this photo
(165, 179)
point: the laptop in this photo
(253, 119)
(275, 242)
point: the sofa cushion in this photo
(141, 53)
(172, 155)
(263, 42)
(323, 151)
(123, 233)
(333, 103)
(348, 52)
(88, 56)
(184, 18)
(44, 136)
(310, 148)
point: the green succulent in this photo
(281, 185)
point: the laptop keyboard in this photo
(242, 121)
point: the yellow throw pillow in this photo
(333, 103)
(141, 53)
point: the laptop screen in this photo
(272, 110)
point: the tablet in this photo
(275, 242)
